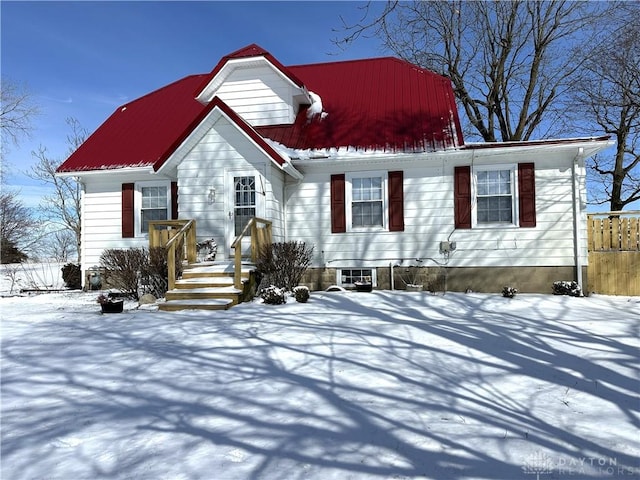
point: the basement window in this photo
(347, 277)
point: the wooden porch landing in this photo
(206, 286)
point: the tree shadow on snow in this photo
(423, 389)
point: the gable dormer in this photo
(256, 86)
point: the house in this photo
(365, 160)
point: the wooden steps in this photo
(206, 286)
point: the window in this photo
(366, 197)
(366, 201)
(244, 201)
(495, 196)
(347, 277)
(154, 205)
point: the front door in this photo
(246, 200)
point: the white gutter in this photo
(288, 168)
(577, 237)
(119, 171)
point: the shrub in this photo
(301, 293)
(125, 269)
(567, 288)
(136, 271)
(273, 295)
(283, 264)
(509, 292)
(155, 272)
(72, 276)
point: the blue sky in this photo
(83, 59)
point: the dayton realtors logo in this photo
(602, 467)
(538, 464)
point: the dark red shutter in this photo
(127, 211)
(462, 196)
(396, 202)
(338, 217)
(527, 194)
(174, 200)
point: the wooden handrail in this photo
(172, 241)
(257, 242)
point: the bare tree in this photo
(608, 93)
(16, 112)
(510, 63)
(61, 245)
(18, 228)
(62, 207)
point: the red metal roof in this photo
(382, 103)
(140, 133)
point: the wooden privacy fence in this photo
(614, 253)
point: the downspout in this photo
(577, 237)
(82, 252)
(289, 169)
(393, 287)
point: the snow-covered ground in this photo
(348, 386)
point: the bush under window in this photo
(283, 264)
(136, 271)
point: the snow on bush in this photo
(567, 288)
(301, 293)
(509, 292)
(273, 295)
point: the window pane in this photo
(154, 205)
(245, 202)
(482, 183)
(366, 214)
(495, 210)
(366, 189)
(494, 182)
(152, 214)
(154, 197)
(242, 217)
(366, 196)
(494, 198)
(504, 209)
(505, 182)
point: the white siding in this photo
(275, 202)
(102, 218)
(259, 95)
(429, 219)
(222, 151)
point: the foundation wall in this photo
(458, 279)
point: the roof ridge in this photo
(252, 50)
(335, 62)
(369, 60)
